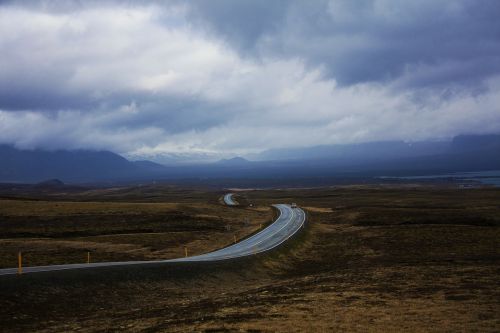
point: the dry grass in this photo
(58, 208)
(370, 260)
(57, 232)
(318, 209)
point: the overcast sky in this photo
(225, 77)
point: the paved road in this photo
(287, 224)
(228, 200)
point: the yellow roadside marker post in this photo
(260, 226)
(19, 263)
(88, 257)
(186, 251)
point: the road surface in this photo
(285, 226)
(228, 200)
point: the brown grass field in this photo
(371, 259)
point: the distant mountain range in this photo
(78, 165)
(463, 153)
(381, 151)
(235, 161)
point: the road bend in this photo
(228, 200)
(290, 221)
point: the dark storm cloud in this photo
(369, 40)
(242, 23)
(175, 115)
(225, 77)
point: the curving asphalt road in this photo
(228, 200)
(287, 224)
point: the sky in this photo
(206, 79)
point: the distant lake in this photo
(491, 177)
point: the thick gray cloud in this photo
(242, 23)
(215, 78)
(369, 40)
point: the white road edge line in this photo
(12, 271)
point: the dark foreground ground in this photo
(413, 259)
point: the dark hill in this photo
(51, 183)
(69, 166)
(469, 143)
(235, 161)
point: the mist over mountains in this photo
(73, 166)
(373, 151)
(463, 153)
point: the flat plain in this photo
(371, 258)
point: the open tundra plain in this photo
(370, 258)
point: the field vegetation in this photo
(50, 231)
(371, 259)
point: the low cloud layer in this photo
(227, 78)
